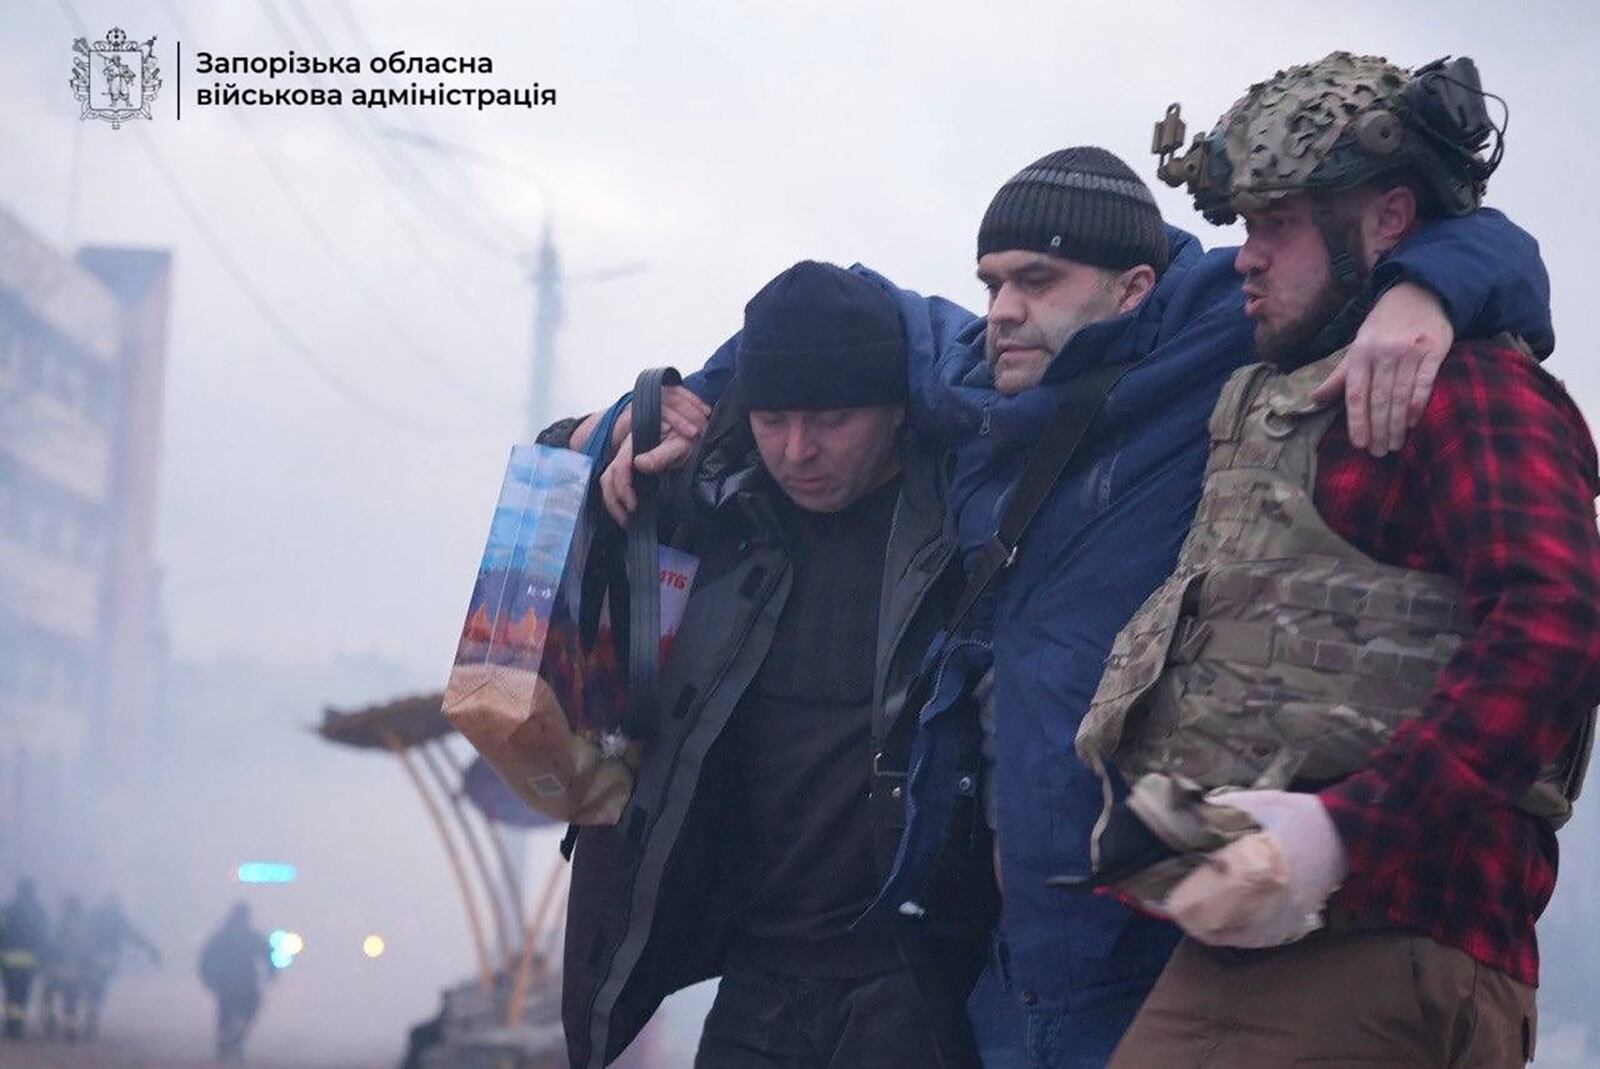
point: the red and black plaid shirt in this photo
(1496, 488)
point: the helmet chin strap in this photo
(1341, 329)
(1346, 268)
(1349, 273)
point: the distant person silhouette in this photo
(24, 938)
(62, 998)
(232, 964)
(109, 930)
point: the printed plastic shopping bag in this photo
(539, 699)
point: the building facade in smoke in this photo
(82, 645)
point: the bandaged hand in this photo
(1270, 887)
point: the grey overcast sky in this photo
(714, 140)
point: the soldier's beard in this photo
(1288, 344)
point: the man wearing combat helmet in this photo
(1358, 710)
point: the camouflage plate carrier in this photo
(1277, 654)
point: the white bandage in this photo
(1268, 888)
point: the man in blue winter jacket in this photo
(1081, 272)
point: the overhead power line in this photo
(401, 171)
(404, 225)
(395, 319)
(295, 345)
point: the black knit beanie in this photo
(1081, 204)
(818, 337)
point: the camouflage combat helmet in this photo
(1333, 124)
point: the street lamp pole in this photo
(547, 315)
(544, 270)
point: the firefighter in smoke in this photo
(109, 931)
(62, 997)
(24, 935)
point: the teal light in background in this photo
(266, 872)
(285, 945)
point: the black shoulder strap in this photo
(644, 564)
(1085, 396)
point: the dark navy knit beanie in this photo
(1081, 204)
(818, 337)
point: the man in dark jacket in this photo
(24, 940)
(232, 964)
(767, 809)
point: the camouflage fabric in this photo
(1277, 653)
(1328, 125)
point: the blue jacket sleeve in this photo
(1486, 272)
(712, 380)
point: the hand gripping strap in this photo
(644, 564)
(602, 561)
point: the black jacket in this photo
(652, 897)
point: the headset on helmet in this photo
(1334, 124)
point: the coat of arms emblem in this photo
(116, 79)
